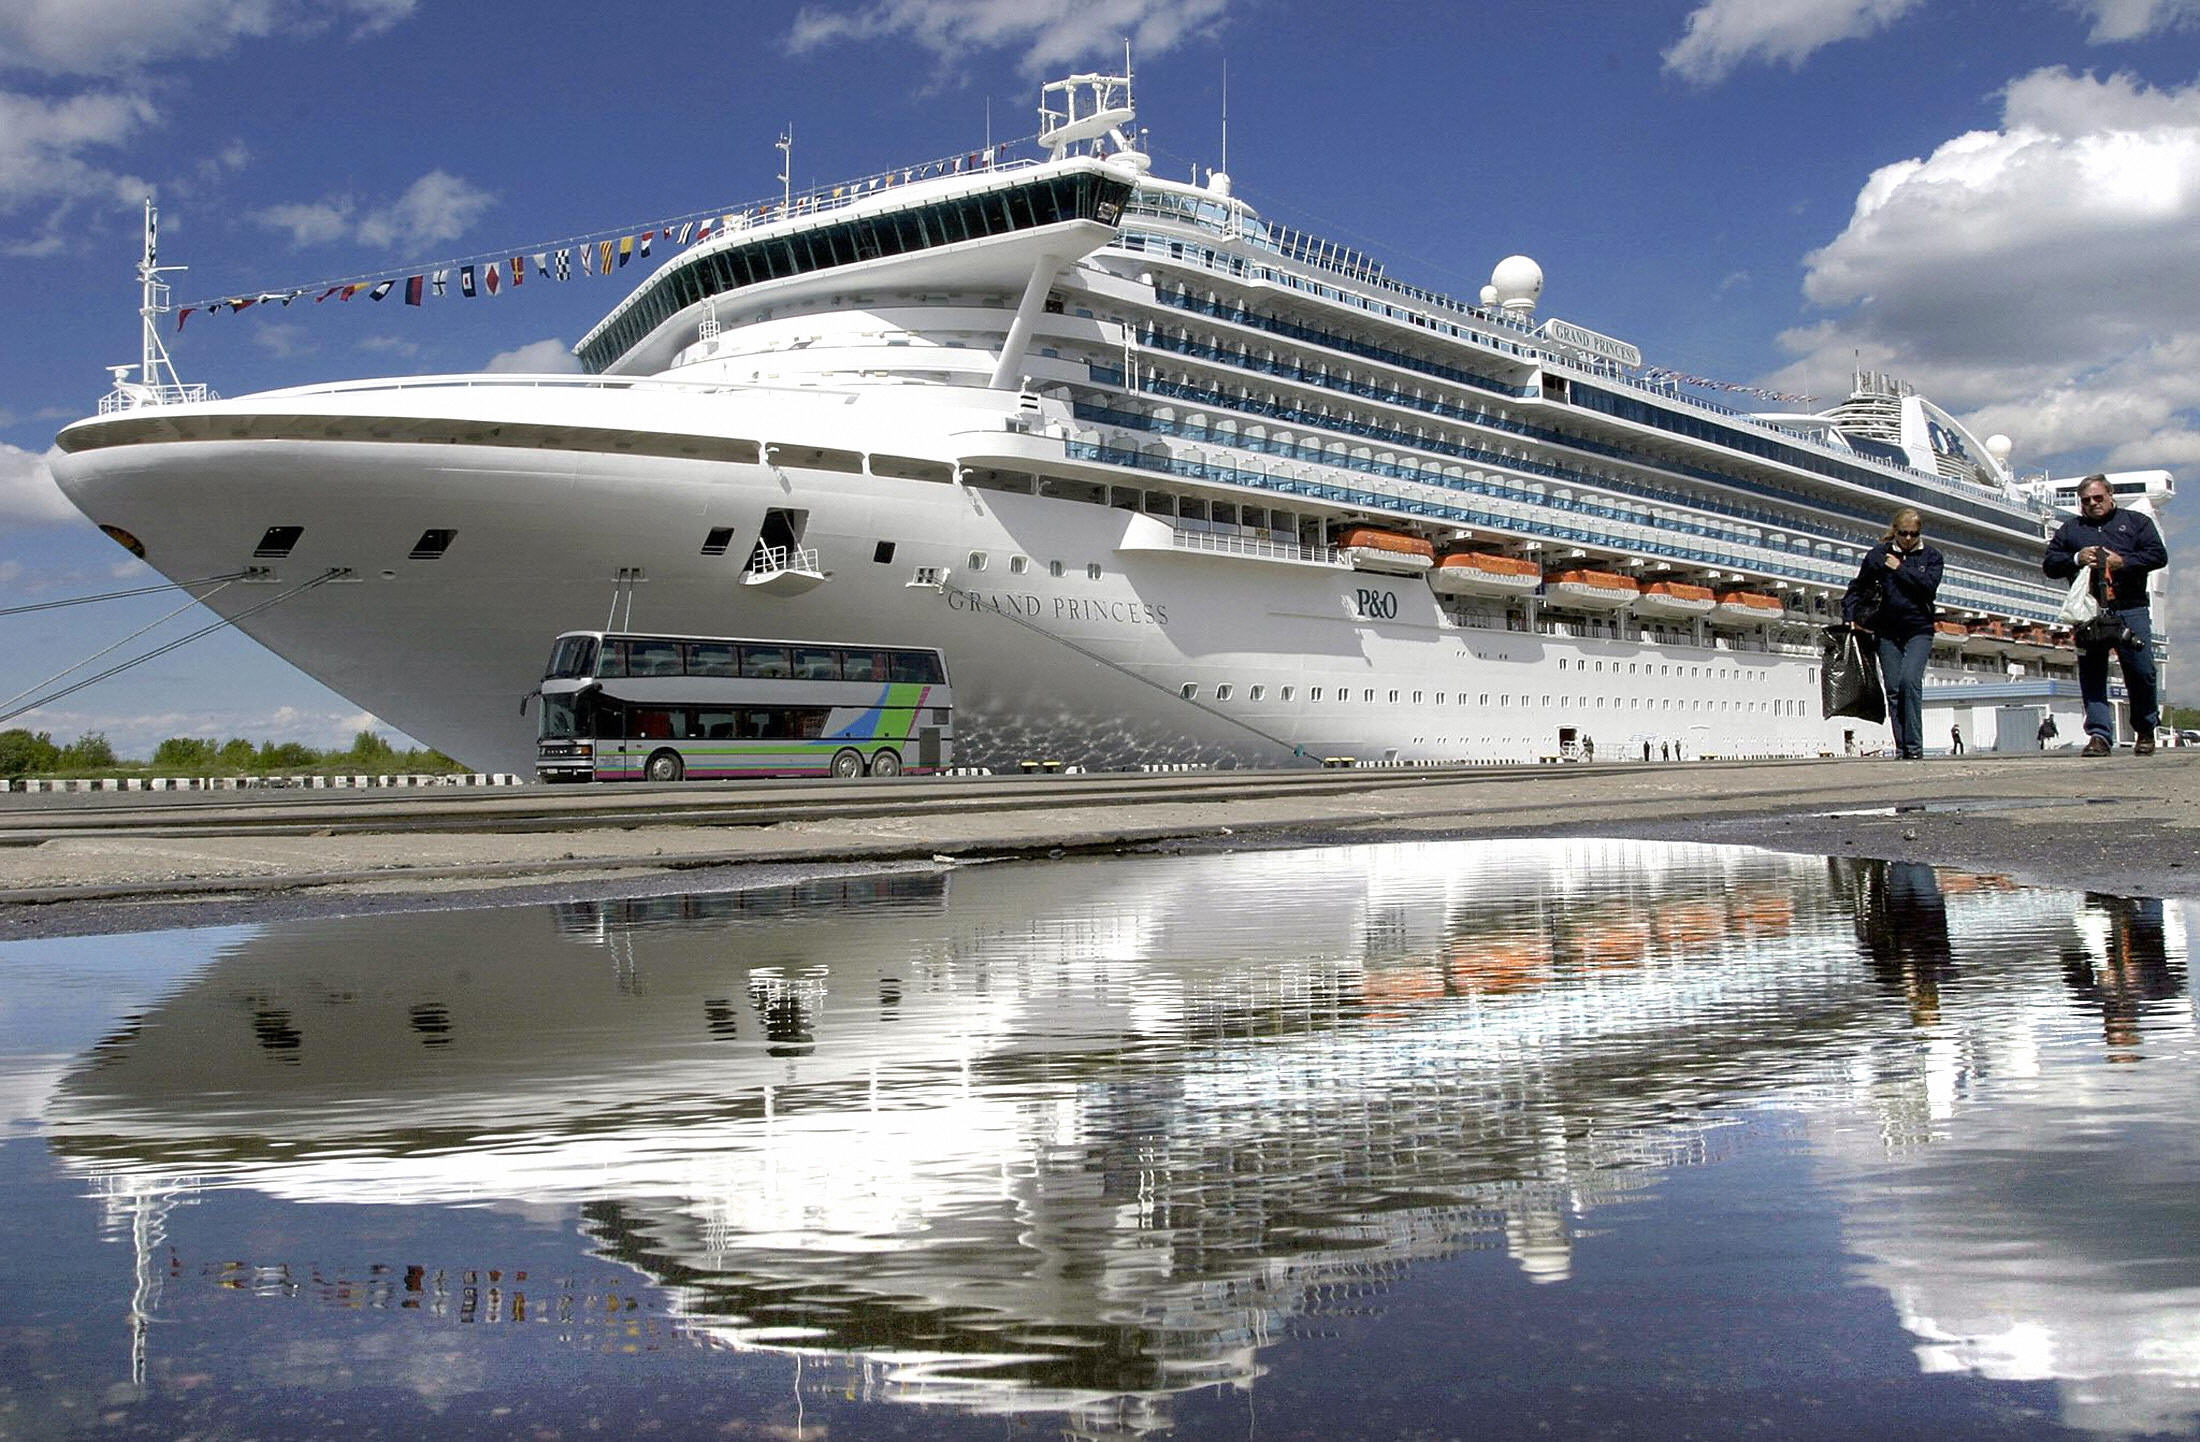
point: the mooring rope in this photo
(119, 595)
(162, 650)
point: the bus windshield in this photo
(572, 658)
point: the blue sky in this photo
(1997, 199)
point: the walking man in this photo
(1955, 737)
(2123, 548)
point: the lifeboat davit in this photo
(1675, 598)
(1949, 634)
(1479, 573)
(1601, 590)
(1747, 608)
(1987, 638)
(1393, 552)
(2033, 641)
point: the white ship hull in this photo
(1086, 670)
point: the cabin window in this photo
(716, 542)
(1258, 693)
(1189, 690)
(1223, 692)
(432, 544)
(883, 553)
(276, 541)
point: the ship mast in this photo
(157, 383)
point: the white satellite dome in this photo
(1999, 446)
(1518, 283)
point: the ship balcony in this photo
(783, 571)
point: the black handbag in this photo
(1848, 679)
(2102, 632)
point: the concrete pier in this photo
(2124, 824)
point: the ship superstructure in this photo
(1168, 481)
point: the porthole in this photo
(1222, 692)
(1258, 693)
(1092, 570)
(1017, 565)
(1054, 569)
(1189, 690)
(976, 561)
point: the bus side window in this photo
(711, 658)
(758, 725)
(809, 722)
(614, 659)
(811, 664)
(765, 662)
(658, 723)
(653, 658)
(919, 666)
(863, 666)
(715, 725)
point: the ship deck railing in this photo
(1535, 350)
(1826, 570)
(130, 396)
(1223, 543)
(1504, 518)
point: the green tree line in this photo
(35, 753)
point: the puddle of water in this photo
(1567, 1136)
(2012, 803)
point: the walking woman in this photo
(1891, 600)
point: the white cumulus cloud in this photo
(2041, 279)
(437, 207)
(28, 495)
(542, 357)
(2117, 20)
(1051, 33)
(2045, 275)
(93, 60)
(1723, 35)
(108, 37)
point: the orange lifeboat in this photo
(1480, 573)
(1675, 598)
(1950, 633)
(1747, 607)
(1367, 548)
(1600, 590)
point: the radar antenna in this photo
(1084, 109)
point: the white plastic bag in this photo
(2079, 606)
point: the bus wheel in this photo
(886, 763)
(847, 764)
(664, 766)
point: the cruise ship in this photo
(1167, 482)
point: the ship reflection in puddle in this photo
(1097, 1138)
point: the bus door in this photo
(928, 747)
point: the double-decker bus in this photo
(617, 706)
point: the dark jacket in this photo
(1906, 596)
(2130, 535)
